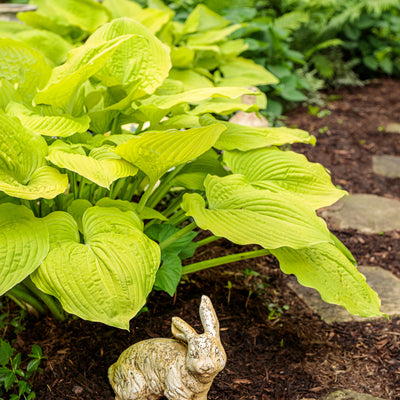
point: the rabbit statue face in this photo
(205, 356)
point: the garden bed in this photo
(272, 353)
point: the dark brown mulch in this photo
(353, 133)
(270, 356)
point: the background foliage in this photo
(311, 44)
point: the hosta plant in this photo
(108, 169)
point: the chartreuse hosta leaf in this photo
(82, 63)
(245, 138)
(48, 121)
(50, 44)
(123, 205)
(222, 107)
(325, 268)
(203, 19)
(246, 215)
(195, 96)
(24, 243)
(101, 165)
(107, 277)
(24, 67)
(193, 174)
(285, 171)
(143, 61)
(8, 93)
(211, 36)
(154, 108)
(190, 79)
(78, 207)
(155, 152)
(23, 169)
(243, 72)
(151, 18)
(85, 14)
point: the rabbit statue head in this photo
(205, 356)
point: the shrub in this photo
(107, 167)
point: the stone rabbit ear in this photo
(182, 330)
(209, 317)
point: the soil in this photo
(273, 353)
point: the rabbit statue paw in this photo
(181, 369)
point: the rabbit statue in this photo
(181, 369)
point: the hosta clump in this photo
(108, 166)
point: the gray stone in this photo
(393, 128)
(364, 212)
(8, 12)
(345, 394)
(383, 282)
(386, 165)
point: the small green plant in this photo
(276, 311)
(14, 377)
(229, 287)
(16, 320)
(324, 129)
(315, 110)
(250, 272)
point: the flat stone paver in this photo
(394, 127)
(344, 394)
(366, 213)
(386, 165)
(382, 281)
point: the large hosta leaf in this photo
(47, 121)
(50, 44)
(155, 152)
(85, 14)
(195, 96)
(189, 78)
(246, 215)
(24, 66)
(142, 61)
(211, 36)
(325, 268)
(46, 182)
(244, 72)
(8, 93)
(23, 169)
(280, 171)
(101, 165)
(82, 63)
(36, 19)
(222, 107)
(154, 108)
(151, 18)
(108, 277)
(24, 243)
(203, 19)
(193, 174)
(123, 205)
(244, 138)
